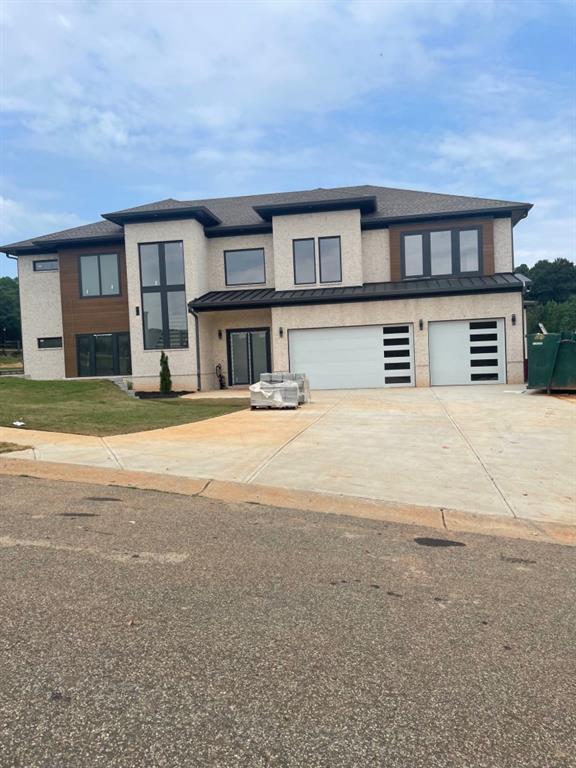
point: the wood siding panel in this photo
(103, 314)
(487, 240)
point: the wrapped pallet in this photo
(282, 394)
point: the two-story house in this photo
(357, 286)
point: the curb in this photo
(439, 518)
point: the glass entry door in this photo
(103, 354)
(248, 355)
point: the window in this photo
(99, 275)
(441, 252)
(330, 260)
(50, 342)
(46, 265)
(245, 267)
(304, 261)
(164, 311)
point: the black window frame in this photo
(50, 338)
(242, 250)
(304, 240)
(455, 246)
(163, 290)
(45, 261)
(92, 352)
(99, 295)
(329, 237)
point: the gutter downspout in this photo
(197, 327)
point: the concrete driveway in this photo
(493, 450)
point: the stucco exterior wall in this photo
(215, 263)
(376, 255)
(346, 224)
(213, 350)
(503, 252)
(146, 363)
(408, 311)
(41, 310)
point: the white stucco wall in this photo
(215, 263)
(376, 255)
(41, 310)
(146, 363)
(503, 255)
(346, 224)
(408, 311)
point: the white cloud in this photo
(19, 221)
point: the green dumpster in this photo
(552, 361)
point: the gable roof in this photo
(379, 206)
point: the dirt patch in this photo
(8, 447)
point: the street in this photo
(140, 628)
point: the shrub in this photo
(165, 377)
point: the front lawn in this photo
(98, 408)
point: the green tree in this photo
(551, 280)
(554, 316)
(9, 309)
(165, 377)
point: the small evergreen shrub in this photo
(165, 377)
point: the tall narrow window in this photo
(330, 260)
(99, 275)
(164, 312)
(413, 256)
(304, 261)
(441, 253)
(469, 250)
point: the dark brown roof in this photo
(232, 215)
(406, 289)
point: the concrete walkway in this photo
(489, 450)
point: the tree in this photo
(554, 316)
(551, 280)
(9, 309)
(165, 377)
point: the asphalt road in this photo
(149, 629)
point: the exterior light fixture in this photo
(219, 333)
(513, 319)
(281, 332)
(421, 324)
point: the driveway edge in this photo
(310, 501)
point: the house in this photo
(356, 286)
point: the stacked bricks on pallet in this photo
(300, 378)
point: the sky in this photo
(107, 105)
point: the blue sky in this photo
(111, 104)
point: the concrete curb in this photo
(248, 493)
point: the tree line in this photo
(551, 295)
(9, 310)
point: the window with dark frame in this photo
(304, 253)
(50, 342)
(164, 311)
(99, 275)
(330, 259)
(45, 265)
(434, 253)
(245, 266)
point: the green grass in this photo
(10, 361)
(98, 408)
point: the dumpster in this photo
(552, 361)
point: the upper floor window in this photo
(99, 275)
(46, 265)
(304, 261)
(245, 267)
(164, 312)
(330, 259)
(441, 252)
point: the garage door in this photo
(355, 357)
(467, 352)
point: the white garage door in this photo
(355, 357)
(467, 352)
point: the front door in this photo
(248, 355)
(103, 354)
